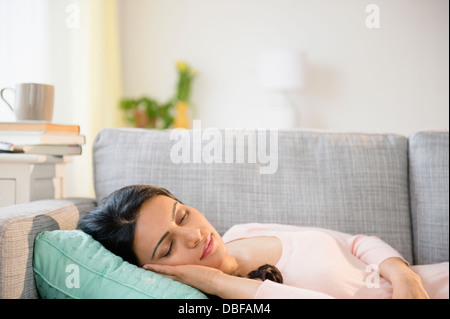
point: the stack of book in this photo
(40, 138)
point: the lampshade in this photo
(281, 70)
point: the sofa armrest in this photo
(19, 225)
(429, 189)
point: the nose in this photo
(192, 236)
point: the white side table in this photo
(28, 177)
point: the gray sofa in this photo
(387, 185)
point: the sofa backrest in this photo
(350, 182)
(429, 187)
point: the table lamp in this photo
(281, 72)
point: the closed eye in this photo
(170, 249)
(184, 219)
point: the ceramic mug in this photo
(33, 101)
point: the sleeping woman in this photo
(149, 227)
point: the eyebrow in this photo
(166, 233)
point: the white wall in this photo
(38, 45)
(394, 78)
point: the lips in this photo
(208, 247)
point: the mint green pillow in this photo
(71, 264)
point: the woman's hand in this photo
(209, 280)
(406, 284)
(200, 277)
(409, 287)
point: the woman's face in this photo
(168, 232)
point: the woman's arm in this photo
(406, 284)
(215, 282)
(209, 280)
(391, 265)
(370, 249)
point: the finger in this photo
(162, 269)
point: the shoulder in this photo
(257, 229)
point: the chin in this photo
(219, 259)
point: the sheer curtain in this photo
(73, 45)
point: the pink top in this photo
(322, 263)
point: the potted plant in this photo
(183, 90)
(146, 112)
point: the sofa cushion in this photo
(429, 185)
(19, 225)
(71, 264)
(350, 182)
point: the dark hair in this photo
(266, 272)
(113, 222)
